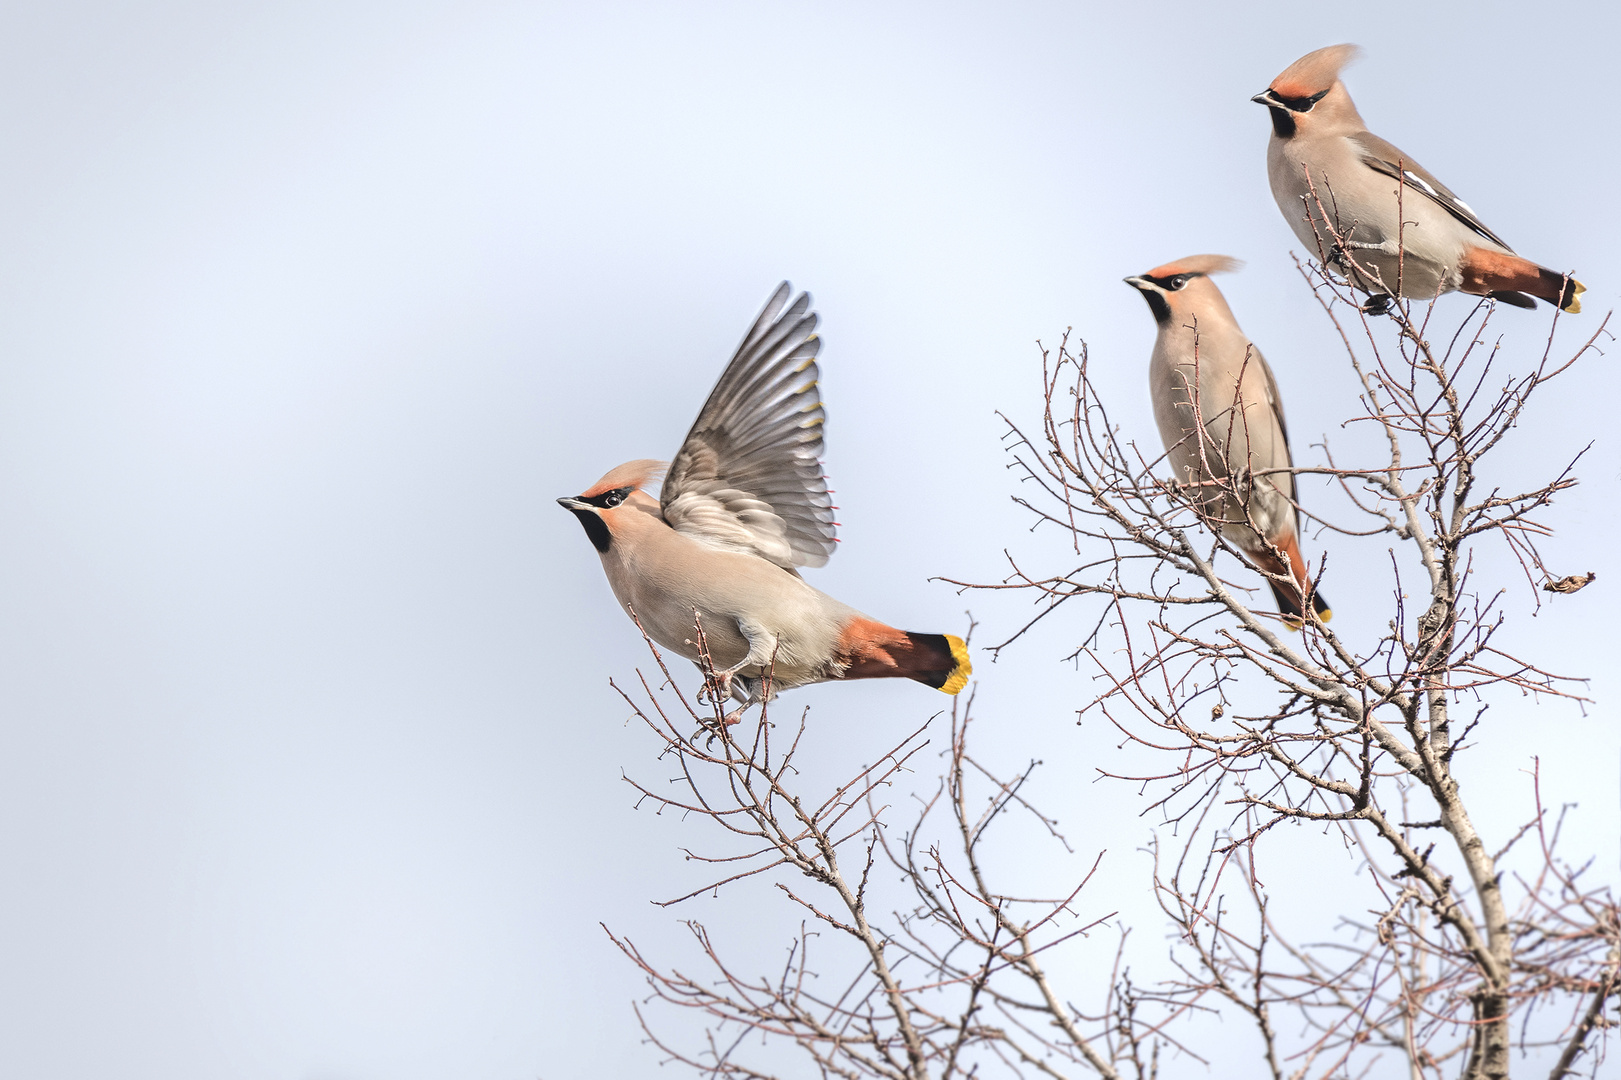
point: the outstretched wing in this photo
(749, 475)
(1383, 157)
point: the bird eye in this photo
(614, 498)
(1178, 281)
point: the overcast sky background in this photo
(309, 766)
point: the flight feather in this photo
(749, 475)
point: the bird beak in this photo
(1141, 283)
(1266, 97)
(574, 504)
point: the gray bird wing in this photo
(1383, 157)
(1275, 399)
(749, 475)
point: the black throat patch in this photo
(1283, 122)
(595, 530)
(1157, 304)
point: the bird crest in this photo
(633, 474)
(1315, 72)
(1198, 264)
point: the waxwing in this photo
(1330, 175)
(743, 505)
(1217, 407)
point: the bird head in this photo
(604, 505)
(1182, 286)
(1309, 92)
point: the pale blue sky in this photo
(310, 767)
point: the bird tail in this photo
(1289, 596)
(1288, 599)
(943, 661)
(870, 650)
(1504, 276)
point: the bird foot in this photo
(709, 730)
(1377, 304)
(716, 689)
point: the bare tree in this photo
(947, 979)
(1452, 952)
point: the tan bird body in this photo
(1327, 169)
(744, 505)
(1206, 373)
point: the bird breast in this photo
(664, 577)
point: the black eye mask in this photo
(609, 499)
(1174, 283)
(1300, 104)
(1283, 110)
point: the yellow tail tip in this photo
(1574, 304)
(959, 674)
(1296, 623)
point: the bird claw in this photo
(716, 689)
(709, 730)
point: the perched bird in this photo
(1318, 141)
(1220, 416)
(743, 505)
